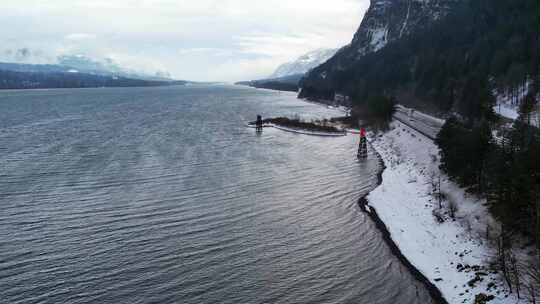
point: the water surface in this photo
(162, 195)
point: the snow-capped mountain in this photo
(304, 63)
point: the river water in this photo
(162, 195)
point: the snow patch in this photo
(406, 202)
(379, 38)
(506, 110)
(507, 104)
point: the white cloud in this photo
(193, 39)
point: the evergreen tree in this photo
(527, 107)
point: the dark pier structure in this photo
(259, 124)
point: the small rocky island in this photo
(315, 126)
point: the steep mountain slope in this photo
(454, 64)
(389, 20)
(304, 63)
(384, 22)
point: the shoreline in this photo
(371, 212)
(452, 257)
(435, 293)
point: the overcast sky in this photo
(205, 40)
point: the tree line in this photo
(500, 162)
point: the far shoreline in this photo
(92, 88)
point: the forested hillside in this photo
(453, 64)
(458, 66)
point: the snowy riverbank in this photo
(454, 255)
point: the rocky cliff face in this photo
(385, 21)
(388, 20)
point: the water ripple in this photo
(161, 195)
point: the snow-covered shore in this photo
(453, 255)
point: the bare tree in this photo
(502, 258)
(531, 276)
(514, 272)
(452, 207)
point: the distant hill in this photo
(288, 75)
(287, 83)
(46, 77)
(106, 67)
(77, 72)
(86, 65)
(34, 68)
(304, 63)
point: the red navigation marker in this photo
(362, 148)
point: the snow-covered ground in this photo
(506, 106)
(449, 254)
(506, 110)
(379, 38)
